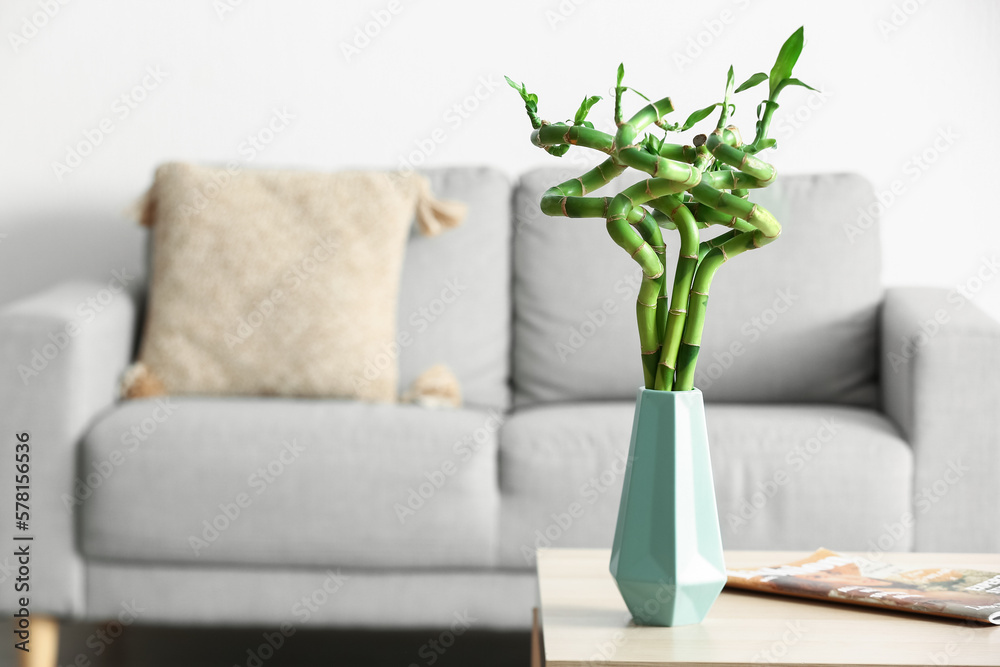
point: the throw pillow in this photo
(277, 282)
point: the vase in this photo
(667, 552)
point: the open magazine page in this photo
(826, 575)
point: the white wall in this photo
(899, 75)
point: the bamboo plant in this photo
(688, 188)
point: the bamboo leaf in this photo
(730, 82)
(757, 78)
(787, 57)
(652, 143)
(621, 74)
(518, 87)
(698, 116)
(530, 99)
(796, 82)
(585, 106)
(768, 143)
(639, 94)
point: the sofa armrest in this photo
(940, 372)
(62, 352)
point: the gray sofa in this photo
(841, 414)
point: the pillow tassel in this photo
(436, 215)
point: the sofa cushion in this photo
(454, 300)
(289, 482)
(795, 321)
(277, 282)
(786, 477)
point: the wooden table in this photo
(584, 622)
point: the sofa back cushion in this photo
(454, 298)
(793, 322)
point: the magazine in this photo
(825, 575)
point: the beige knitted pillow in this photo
(276, 282)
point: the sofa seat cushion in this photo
(290, 482)
(786, 477)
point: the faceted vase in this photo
(667, 553)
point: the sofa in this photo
(841, 413)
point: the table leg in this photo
(43, 644)
(536, 640)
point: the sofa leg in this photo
(43, 643)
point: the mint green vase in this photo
(667, 553)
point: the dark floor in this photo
(85, 645)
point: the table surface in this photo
(584, 622)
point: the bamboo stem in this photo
(746, 163)
(674, 208)
(574, 135)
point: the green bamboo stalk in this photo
(763, 125)
(687, 261)
(708, 215)
(574, 135)
(645, 312)
(746, 163)
(651, 309)
(767, 230)
(566, 199)
(637, 158)
(622, 207)
(666, 223)
(691, 343)
(678, 153)
(733, 180)
(704, 158)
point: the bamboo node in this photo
(644, 304)
(694, 291)
(689, 256)
(639, 249)
(677, 311)
(562, 205)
